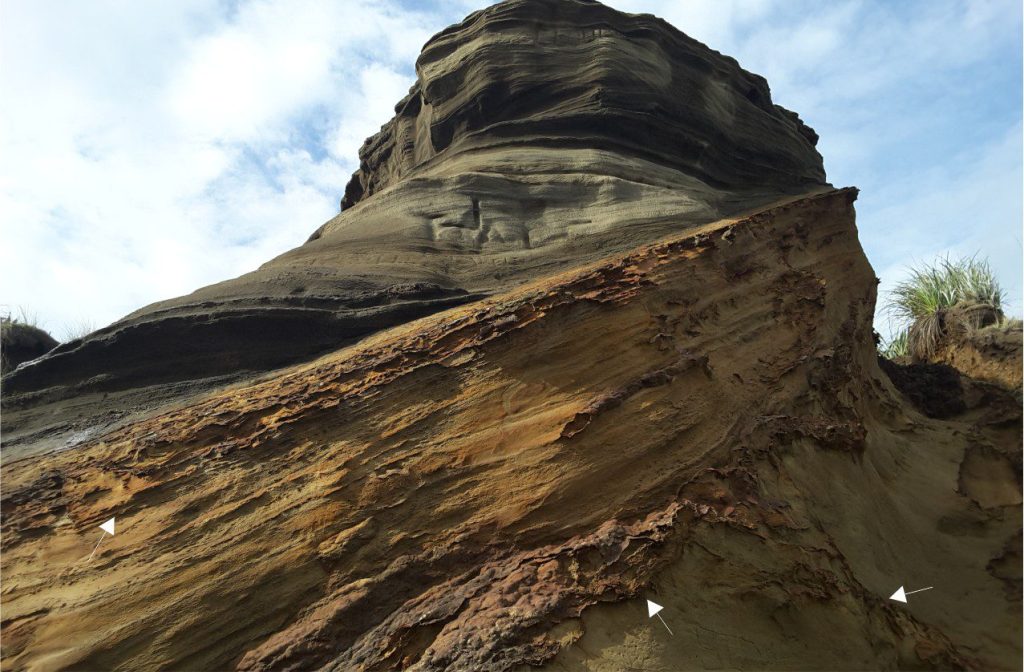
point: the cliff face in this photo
(539, 134)
(543, 79)
(638, 372)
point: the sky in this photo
(148, 149)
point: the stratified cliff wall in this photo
(557, 76)
(592, 330)
(539, 134)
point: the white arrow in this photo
(652, 610)
(108, 528)
(901, 595)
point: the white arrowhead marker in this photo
(901, 595)
(652, 610)
(108, 528)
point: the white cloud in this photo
(380, 88)
(147, 150)
(713, 22)
(272, 60)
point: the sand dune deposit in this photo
(590, 329)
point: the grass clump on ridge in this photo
(21, 339)
(940, 299)
(24, 317)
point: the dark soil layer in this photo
(934, 389)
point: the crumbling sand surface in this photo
(701, 421)
(991, 354)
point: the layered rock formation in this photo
(539, 134)
(701, 421)
(643, 394)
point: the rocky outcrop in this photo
(539, 78)
(539, 134)
(701, 421)
(597, 332)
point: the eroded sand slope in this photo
(701, 421)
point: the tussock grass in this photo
(21, 315)
(895, 347)
(20, 333)
(24, 317)
(942, 299)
